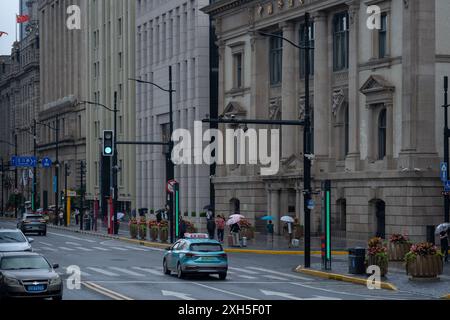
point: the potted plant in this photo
(377, 255)
(163, 231)
(142, 228)
(398, 247)
(247, 229)
(423, 261)
(153, 227)
(133, 228)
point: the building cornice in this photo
(224, 5)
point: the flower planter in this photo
(378, 261)
(154, 233)
(397, 251)
(133, 231)
(163, 234)
(425, 266)
(143, 232)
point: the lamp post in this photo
(446, 151)
(170, 167)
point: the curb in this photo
(280, 252)
(341, 277)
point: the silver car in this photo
(14, 241)
(28, 275)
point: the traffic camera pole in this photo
(446, 151)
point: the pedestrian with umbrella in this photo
(443, 230)
(233, 221)
(288, 228)
(269, 227)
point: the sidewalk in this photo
(395, 279)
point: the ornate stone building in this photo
(376, 97)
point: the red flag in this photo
(3, 33)
(22, 18)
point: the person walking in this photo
(235, 234)
(220, 225)
(290, 233)
(210, 224)
(183, 227)
(269, 229)
(444, 244)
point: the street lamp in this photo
(170, 167)
(115, 166)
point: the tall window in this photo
(382, 135)
(311, 51)
(382, 37)
(276, 59)
(346, 132)
(238, 74)
(340, 41)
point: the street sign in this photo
(444, 169)
(54, 184)
(46, 163)
(311, 204)
(171, 186)
(24, 162)
(447, 186)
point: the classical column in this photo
(275, 209)
(284, 205)
(322, 108)
(389, 131)
(288, 91)
(419, 82)
(353, 159)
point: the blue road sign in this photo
(54, 184)
(311, 204)
(447, 186)
(24, 162)
(46, 163)
(444, 169)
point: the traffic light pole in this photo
(82, 194)
(115, 168)
(35, 168)
(446, 145)
(57, 169)
(15, 177)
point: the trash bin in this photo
(356, 257)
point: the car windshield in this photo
(23, 263)
(11, 237)
(206, 247)
(34, 217)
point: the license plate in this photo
(208, 259)
(36, 288)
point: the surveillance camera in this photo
(310, 157)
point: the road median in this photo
(342, 277)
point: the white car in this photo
(13, 240)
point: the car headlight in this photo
(55, 281)
(11, 281)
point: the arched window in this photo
(382, 135)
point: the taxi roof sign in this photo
(196, 236)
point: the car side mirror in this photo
(168, 248)
(30, 240)
(55, 266)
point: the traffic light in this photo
(108, 143)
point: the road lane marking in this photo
(45, 243)
(67, 249)
(127, 271)
(71, 237)
(118, 248)
(155, 272)
(223, 291)
(179, 295)
(48, 249)
(135, 248)
(238, 270)
(274, 277)
(280, 273)
(107, 273)
(245, 277)
(83, 249)
(73, 244)
(101, 249)
(109, 293)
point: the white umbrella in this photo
(120, 215)
(287, 219)
(235, 218)
(442, 228)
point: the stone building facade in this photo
(110, 63)
(63, 86)
(375, 95)
(171, 33)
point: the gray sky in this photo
(8, 11)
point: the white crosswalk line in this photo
(155, 272)
(132, 273)
(119, 248)
(45, 243)
(83, 249)
(73, 244)
(239, 270)
(101, 249)
(136, 248)
(67, 249)
(246, 277)
(48, 249)
(102, 271)
(83, 273)
(275, 277)
(284, 274)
